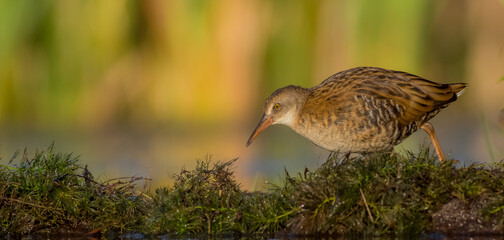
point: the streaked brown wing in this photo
(417, 97)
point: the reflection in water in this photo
(280, 236)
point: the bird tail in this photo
(458, 88)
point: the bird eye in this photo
(277, 106)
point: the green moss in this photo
(403, 195)
(369, 195)
(208, 200)
(51, 192)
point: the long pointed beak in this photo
(263, 124)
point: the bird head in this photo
(282, 107)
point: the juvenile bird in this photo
(361, 110)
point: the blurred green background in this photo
(146, 87)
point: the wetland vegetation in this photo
(53, 192)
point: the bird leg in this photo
(432, 134)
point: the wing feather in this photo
(417, 96)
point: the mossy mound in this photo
(51, 193)
(373, 195)
(394, 194)
(208, 200)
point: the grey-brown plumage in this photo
(364, 109)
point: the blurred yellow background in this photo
(147, 87)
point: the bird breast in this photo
(364, 124)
